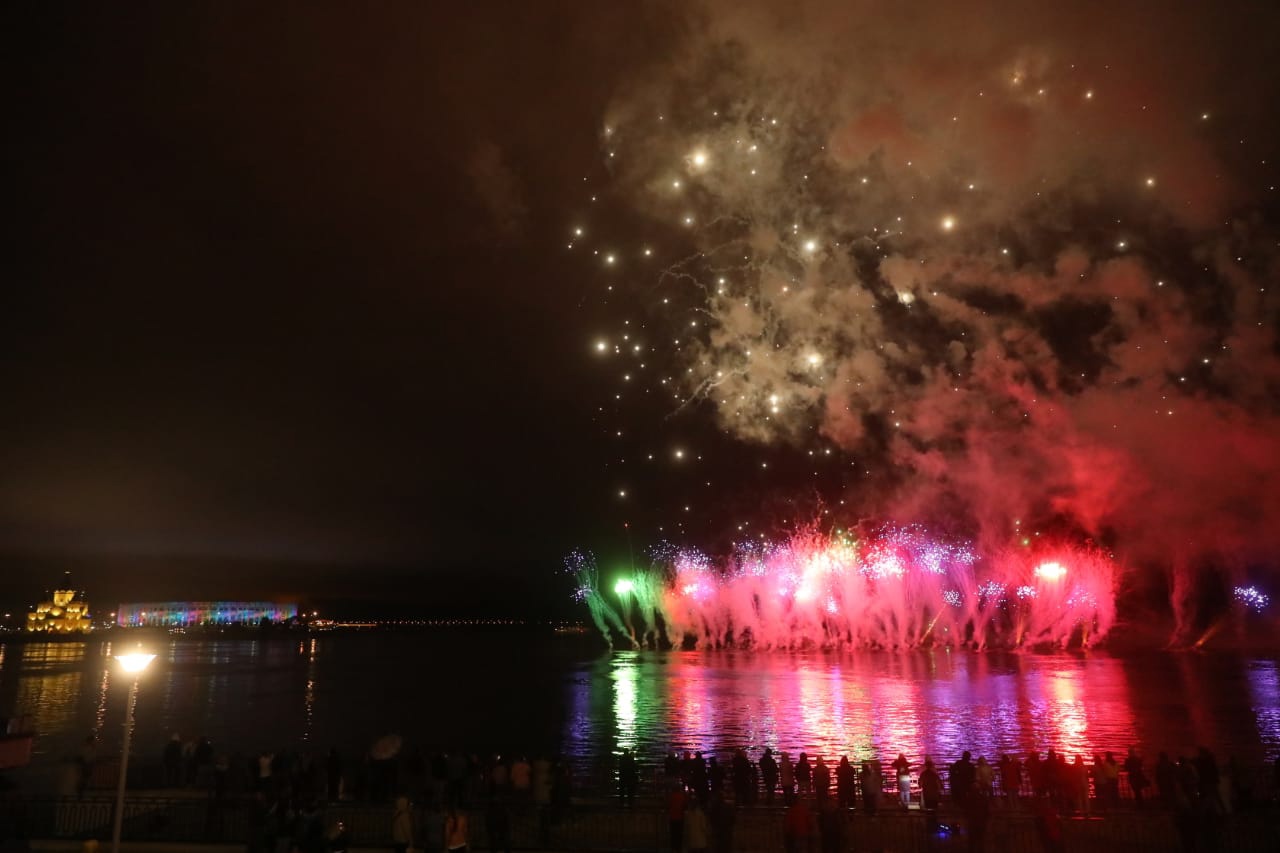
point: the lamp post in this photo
(131, 664)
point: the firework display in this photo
(997, 291)
(899, 588)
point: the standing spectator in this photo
(797, 825)
(265, 760)
(787, 776)
(867, 778)
(455, 830)
(339, 840)
(962, 780)
(804, 774)
(1010, 777)
(1110, 778)
(984, 776)
(830, 826)
(497, 823)
(671, 766)
(1166, 781)
(977, 813)
(697, 831)
(769, 775)
(203, 758)
(432, 829)
(1210, 782)
(333, 775)
(1138, 782)
(715, 776)
(402, 826)
(1036, 774)
(930, 793)
(521, 778)
(84, 763)
(741, 768)
(902, 772)
(1079, 785)
(846, 783)
(1241, 783)
(698, 777)
(1048, 825)
(722, 818)
(677, 804)
(821, 779)
(173, 761)
(308, 832)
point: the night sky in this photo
(296, 303)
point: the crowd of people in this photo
(1076, 785)
(700, 789)
(291, 793)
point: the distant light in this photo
(679, 454)
(601, 346)
(948, 223)
(624, 586)
(1050, 571)
(1151, 182)
(609, 259)
(135, 661)
(699, 159)
(906, 297)
(811, 246)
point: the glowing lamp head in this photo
(624, 586)
(1050, 571)
(135, 662)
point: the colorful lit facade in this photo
(185, 614)
(65, 614)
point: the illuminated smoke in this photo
(1004, 266)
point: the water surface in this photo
(509, 690)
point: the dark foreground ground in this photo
(182, 820)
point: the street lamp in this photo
(131, 664)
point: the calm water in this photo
(496, 690)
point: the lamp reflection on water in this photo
(625, 700)
(133, 664)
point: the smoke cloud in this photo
(1018, 261)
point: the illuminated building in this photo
(65, 614)
(185, 614)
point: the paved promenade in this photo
(193, 823)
